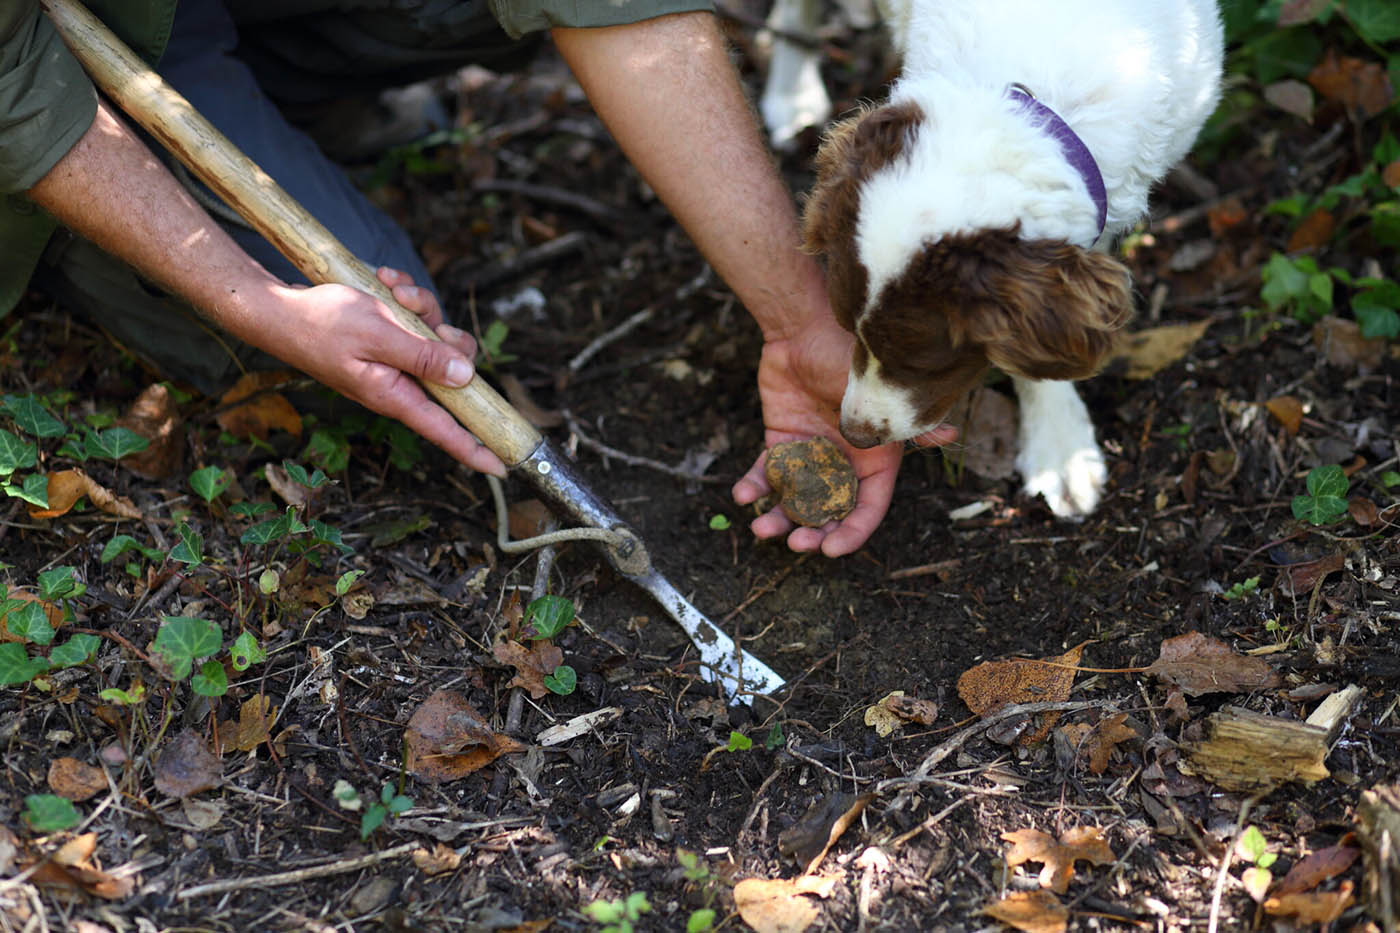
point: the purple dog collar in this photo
(1076, 153)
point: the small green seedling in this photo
(389, 803)
(619, 916)
(131, 697)
(697, 872)
(548, 616)
(492, 345)
(1254, 848)
(1241, 589)
(49, 813)
(720, 523)
(1326, 499)
(738, 742)
(775, 738)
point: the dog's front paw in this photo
(1059, 458)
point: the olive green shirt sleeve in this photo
(46, 101)
(517, 17)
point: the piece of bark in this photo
(1246, 751)
(1378, 826)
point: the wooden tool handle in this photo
(216, 161)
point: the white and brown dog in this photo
(964, 221)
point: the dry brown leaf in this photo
(262, 413)
(1298, 12)
(527, 518)
(185, 766)
(76, 780)
(1313, 232)
(1291, 96)
(531, 664)
(155, 416)
(1391, 174)
(779, 905)
(440, 860)
(66, 487)
(1225, 216)
(520, 397)
(71, 869)
(994, 684)
(1362, 87)
(1301, 578)
(1105, 739)
(446, 739)
(1363, 512)
(809, 838)
(987, 425)
(881, 718)
(1058, 856)
(1031, 911)
(1315, 868)
(1198, 664)
(1289, 412)
(255, 719)
(1150, 351)
(1317, 907)
(912, 709)
(1343, 346)
(288, 489)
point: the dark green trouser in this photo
(205, 61)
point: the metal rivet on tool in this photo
(543, 468)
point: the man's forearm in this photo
(669, 94)
(110, 189)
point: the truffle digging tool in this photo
(167, 116)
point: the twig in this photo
(632, 459)
(556, 248)
(1224, 868)
(550, 195)
(299, 875)
(612, 336)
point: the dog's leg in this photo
(1059, 458)
(794, 96)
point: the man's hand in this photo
(796, 379)
(351, 343)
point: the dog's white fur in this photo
(1135, 79)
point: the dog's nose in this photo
(862, 434)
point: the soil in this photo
(1199, 500)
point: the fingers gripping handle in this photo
(217, 162)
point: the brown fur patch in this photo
(852, 151)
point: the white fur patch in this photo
(1059, 457)
(871, 403)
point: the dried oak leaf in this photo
(447, 739)
(994, 684)
(1097, 742)
(808, 840)
(156, 417)
(1316, 907)
(1031, 911)
(1058, 856)
(778, 905)
(531, 664)
(186, 766)
(255, 719)
(66, 487)
(1197, 664)
(76, 780)
(264, 410)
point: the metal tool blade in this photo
(739, 673)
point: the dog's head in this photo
(1042, 309)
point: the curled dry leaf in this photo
(809, 838)
(440, 860)
(155, 416)
(1315, 868)
(531, 664)
(1097, 742)
(255, 719)
(66, 487)
(1316, 907)
(994, 684)
(1150, 351)
(1198, 664)
(265, 410)
(1058, 856)
(912, 709)
(881, 718)
(1031, 911)
(1299, 579)
(185, 766)
(76, 780)
(778, 905)
(72, 869)
(1289, 412)
(448, 739)
(1362, 87)
(1313, 232)
(288, 489)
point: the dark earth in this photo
(1202, 477)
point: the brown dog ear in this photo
(1042, 309)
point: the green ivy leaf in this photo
(182, 640)
(115, 443)
(1329, 480)
(60, 583)
(372, 818)
(774, 739)
(30, 623)
(700, 921)
(298, 473)
(33, 489)
(32, 417)
(347, 580)
(16, 453)
(251, 509)
(16, 666)
(210, 482)
(1377, 21)
(328, 448)
(549, 615)
(50, 813)
(246, 652)
(1325, 501)
(562, 681)
(210, 680)
(190, 550)
(120, 544)
(77, 650)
